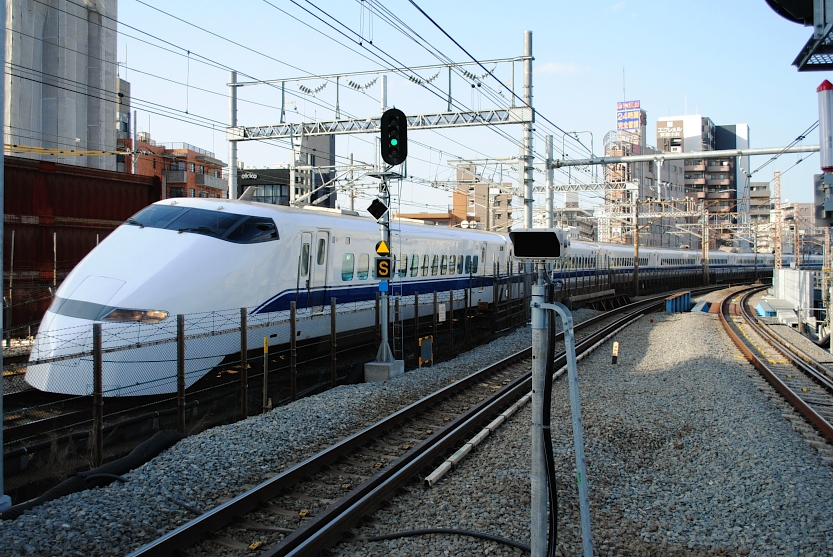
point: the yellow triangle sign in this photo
(382, 248)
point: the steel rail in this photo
(794, 398)
(326, 528)
(798, 358)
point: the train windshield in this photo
(240, 229)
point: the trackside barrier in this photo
(678, 303)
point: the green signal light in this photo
(394, 142)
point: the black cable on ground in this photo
(452, 531)
(552, 538)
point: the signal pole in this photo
(394, 151)
(527, 173)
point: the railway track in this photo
(310, 506)
(806, 384)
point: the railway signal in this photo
(394, 127)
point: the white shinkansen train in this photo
(206, 258)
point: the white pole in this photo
(550, 172)
(232, 145)
(528, 178)
(383, 97)
(135, 157)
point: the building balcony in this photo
(700, 195)
(209, 181)
(176, 176)
(717, 168)
(695, 181)
(721, 195)
(718, 182)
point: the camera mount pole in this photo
(540, 340)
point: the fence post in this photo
(180, 373)
(467, 299)
(244, 364)
(416, 327)
(435, 340)
(293, 355)
(266, 405)
(98, 399)
(397, 326)
(333, 378)
(450, 317)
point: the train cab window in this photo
(414, 265)
(460, 265)
(322, 251)
(259, 229)
(348, 265)
(467, 266)
(425, 265)
(364, 266)
(474, 264)
(444, 265)
(305, 259)
(452, 264)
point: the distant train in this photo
(206, 258)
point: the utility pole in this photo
(232, 145)
(635, 243)
(135, 158)
(550, 172)
(778, 240)
(527, 169)
(704, 244)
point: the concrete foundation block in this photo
(382, 371)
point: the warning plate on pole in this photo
(382, 248)
(383, 267)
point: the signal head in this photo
(394, 130)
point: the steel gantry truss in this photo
(524, 114)
(492, 117)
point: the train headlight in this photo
(136, 315)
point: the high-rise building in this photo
(721, 183)
(60, 79)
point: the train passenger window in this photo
(452, 264)
(425, 265)
(460, 265)
(305, 259)
(414, 265)
(402, 270)
(467, 266)
(348, 264)
(322, 250)
(444, 265)
(253, 230)
(435, 263)
(474, 264)
(364, 266)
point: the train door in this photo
(318, 271)
(304, 285)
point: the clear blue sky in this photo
(730, 61)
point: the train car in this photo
(206, 258)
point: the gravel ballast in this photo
(686, 457)
(208, 468)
